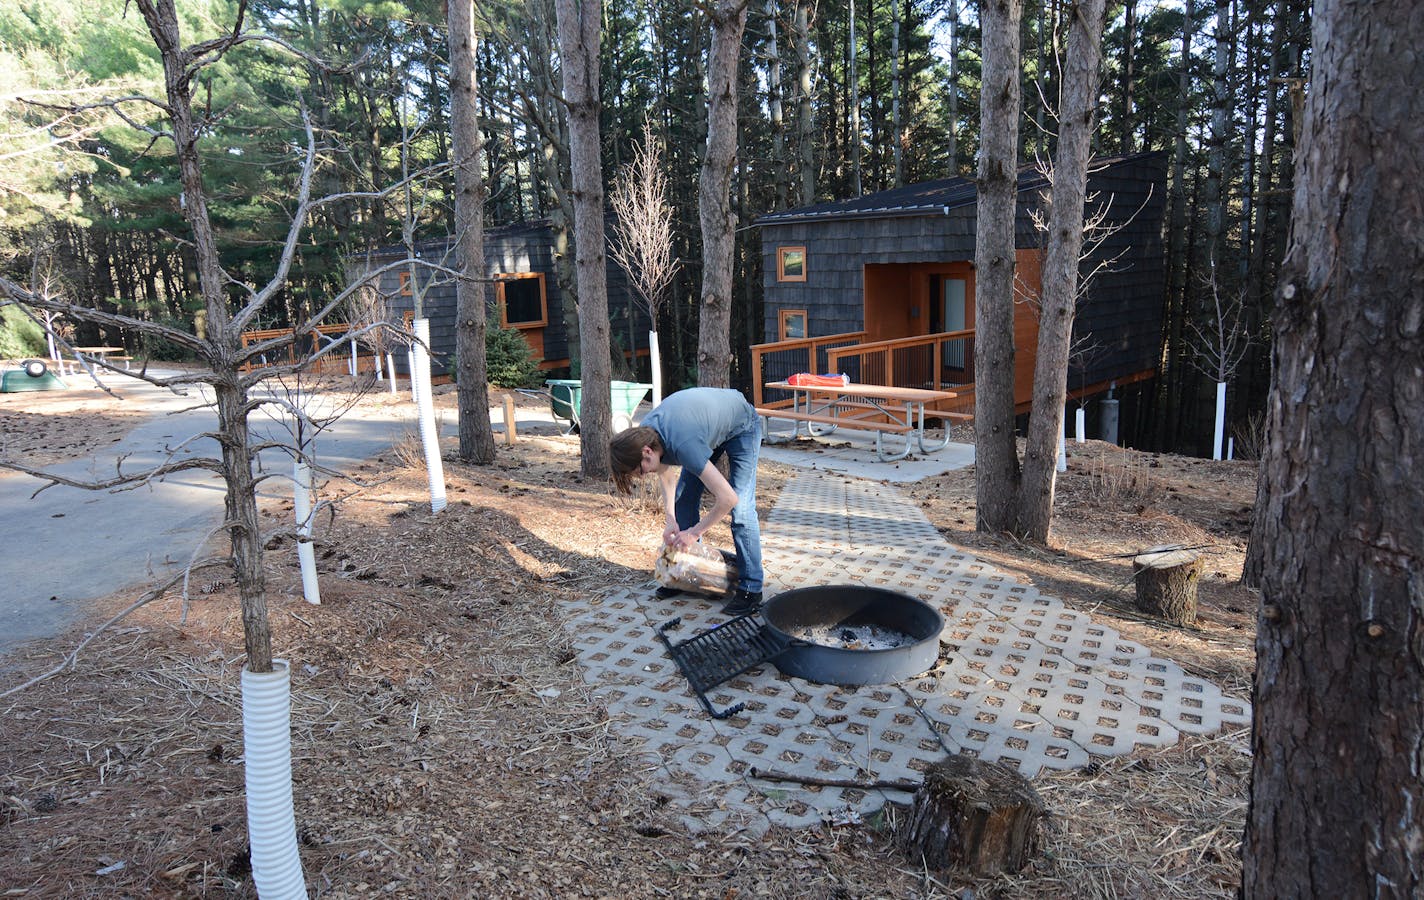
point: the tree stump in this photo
(972, 814)
(1166, 580)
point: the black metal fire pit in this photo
(833, 634)
(849, 634)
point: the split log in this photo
(972, 814)
(1166, 580)
(698, 569)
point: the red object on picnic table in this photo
(806, 379)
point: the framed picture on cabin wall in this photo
(792, 324)
(522, 300)
(790, 263)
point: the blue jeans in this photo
(742, 452)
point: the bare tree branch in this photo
(144, 599)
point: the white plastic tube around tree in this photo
(410, 367)
(267, 755)
(391, 367)
(1080, 420)
(302, 504)
(1062, 463)
(425, 407)
(1220, 419)
(655, 356)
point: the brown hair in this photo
(626, 453)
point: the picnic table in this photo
(883, 409)
(107, 355)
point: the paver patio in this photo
(1022, 679)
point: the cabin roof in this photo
(928, 198)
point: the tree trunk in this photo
(996, 455)
(472, 377)
(1129, 52)
(805, 120)
(1177, 248)
(1216, 152)
(952, 169)
(224, 341)
(714, 202)
(579, 22)
(980, 816)
(897, 126)
(1338, 736)
(1059, 296)
(853, 88)
(775, 108)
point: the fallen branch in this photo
(148, 597)
(898, 784)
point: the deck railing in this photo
(941, 362)
(779, 360)
(354, 359)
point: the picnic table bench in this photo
(882, 409)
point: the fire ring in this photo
(850, 634)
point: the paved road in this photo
(68, 546)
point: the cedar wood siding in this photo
(1123, 308)
(527, 247)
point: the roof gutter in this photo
(846, 215)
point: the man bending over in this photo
(691, 430)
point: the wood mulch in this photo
(446, 745)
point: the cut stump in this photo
(1166, 580)
(975, 815)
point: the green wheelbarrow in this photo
(566, 395)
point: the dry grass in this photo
(1117, 479)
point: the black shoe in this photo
(744, 603)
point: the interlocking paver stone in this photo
(1023, 680)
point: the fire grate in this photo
(718, 654)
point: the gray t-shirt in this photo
(695, 421)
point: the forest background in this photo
(835, 101)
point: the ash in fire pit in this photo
(860, 637)
(850, 634)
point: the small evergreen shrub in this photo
(509, 359)
(20, 337)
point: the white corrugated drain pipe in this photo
(267, 754)
(429, 435)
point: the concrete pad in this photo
(852, 452)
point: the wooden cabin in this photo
(523, 294)
(881, 287)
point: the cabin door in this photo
(949, 311)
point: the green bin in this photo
(566, 394)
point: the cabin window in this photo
(405, 290)
(791, 264)
(793, 324)
(522, 301)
